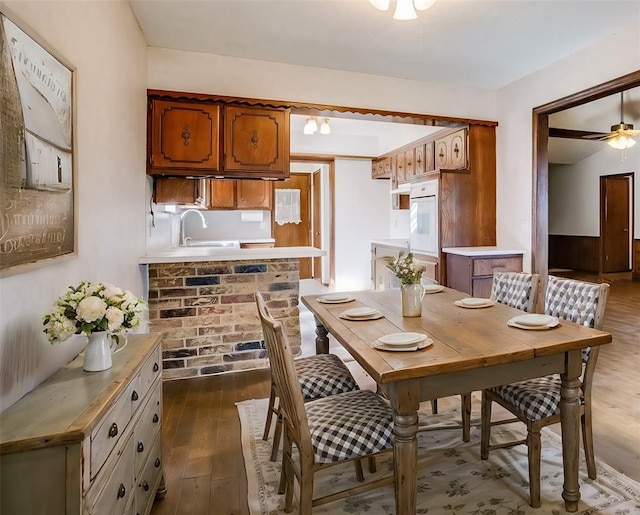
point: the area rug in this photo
(452, 479)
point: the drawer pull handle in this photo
(140, 447)
(134, 396)
(155, 418)
(145, 486)
(121, 491)
(113, 430)
(157, 463)
(155, 367)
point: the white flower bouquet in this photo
(405, 269)
(90, 308)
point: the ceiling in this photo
(476, 43)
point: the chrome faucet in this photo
(183, 236)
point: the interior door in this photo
(615, 223)
(317, 225)
(296, 234)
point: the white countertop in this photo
(481, 251)
(184, 254)
(399, 243)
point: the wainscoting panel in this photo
(574, 252)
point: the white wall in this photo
(361, 215)
(574, 191)
(103, 41)
(611, 58)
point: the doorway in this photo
(616, 222)
(292, 233)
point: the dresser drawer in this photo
(149, 480)
(487, 266)
(151, 370)
(108, 432)
(113, 491)
(147, 427)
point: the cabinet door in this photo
(178, 190)
(389, 166)
(257, 139)
(442, 151)
(419, 166)
(409, 164)
(458, 150)
(184, 137)
(400, 168)
(252, 194)
(429, 157)
(222, 193)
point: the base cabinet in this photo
(87, 442)
(474, 274)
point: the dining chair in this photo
(515, 289)
(319, 376)
(338, 428)
(536, 402)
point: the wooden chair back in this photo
(516, 289)
(285, 378)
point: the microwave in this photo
(423, 218)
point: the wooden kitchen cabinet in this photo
(100, 452)
(183, 137)
(256, 139)
(240, 194)
(471, 270)
(401, 172)
(451, 151)
(179, 190)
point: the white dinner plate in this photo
(400, 339)
(360, 312)
(433, 288)
(474, 302)
(533, 322)
(374, 316)
(336, 298)
(406, 348)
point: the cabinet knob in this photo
(134, 396)
(140, 447)
(121, 491)
(113, 430)
(155, 367)
(145, 486)
(157, 462)
(155, 418)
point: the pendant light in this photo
(311, 126)
(405, 9)
(324, 127)
(622, 132)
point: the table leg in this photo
(322, 340)
(404, 399)
(570, 426)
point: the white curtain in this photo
(287, 206)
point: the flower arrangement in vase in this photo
(98, 310)
(409, 274)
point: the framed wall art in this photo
(36, 152)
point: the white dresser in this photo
(87, 442)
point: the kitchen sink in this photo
(231, 244)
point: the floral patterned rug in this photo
(452, 479)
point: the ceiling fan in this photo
(621, 135)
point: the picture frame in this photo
(37, 194)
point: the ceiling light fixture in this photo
(622, 132)
(311, 126)
(405, 9)
(324, 127)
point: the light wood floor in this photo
(203, 464)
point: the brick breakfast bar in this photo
(202, 300)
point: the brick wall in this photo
(208, 312)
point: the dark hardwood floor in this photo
(203, 464)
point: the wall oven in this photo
(424, 218)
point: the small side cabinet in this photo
(87, 442)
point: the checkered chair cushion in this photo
(348, 425)
(323, 375)
(575, 301)
(535, 399)
(512, 289)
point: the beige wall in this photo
(103, 42)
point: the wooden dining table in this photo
(472, 349)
